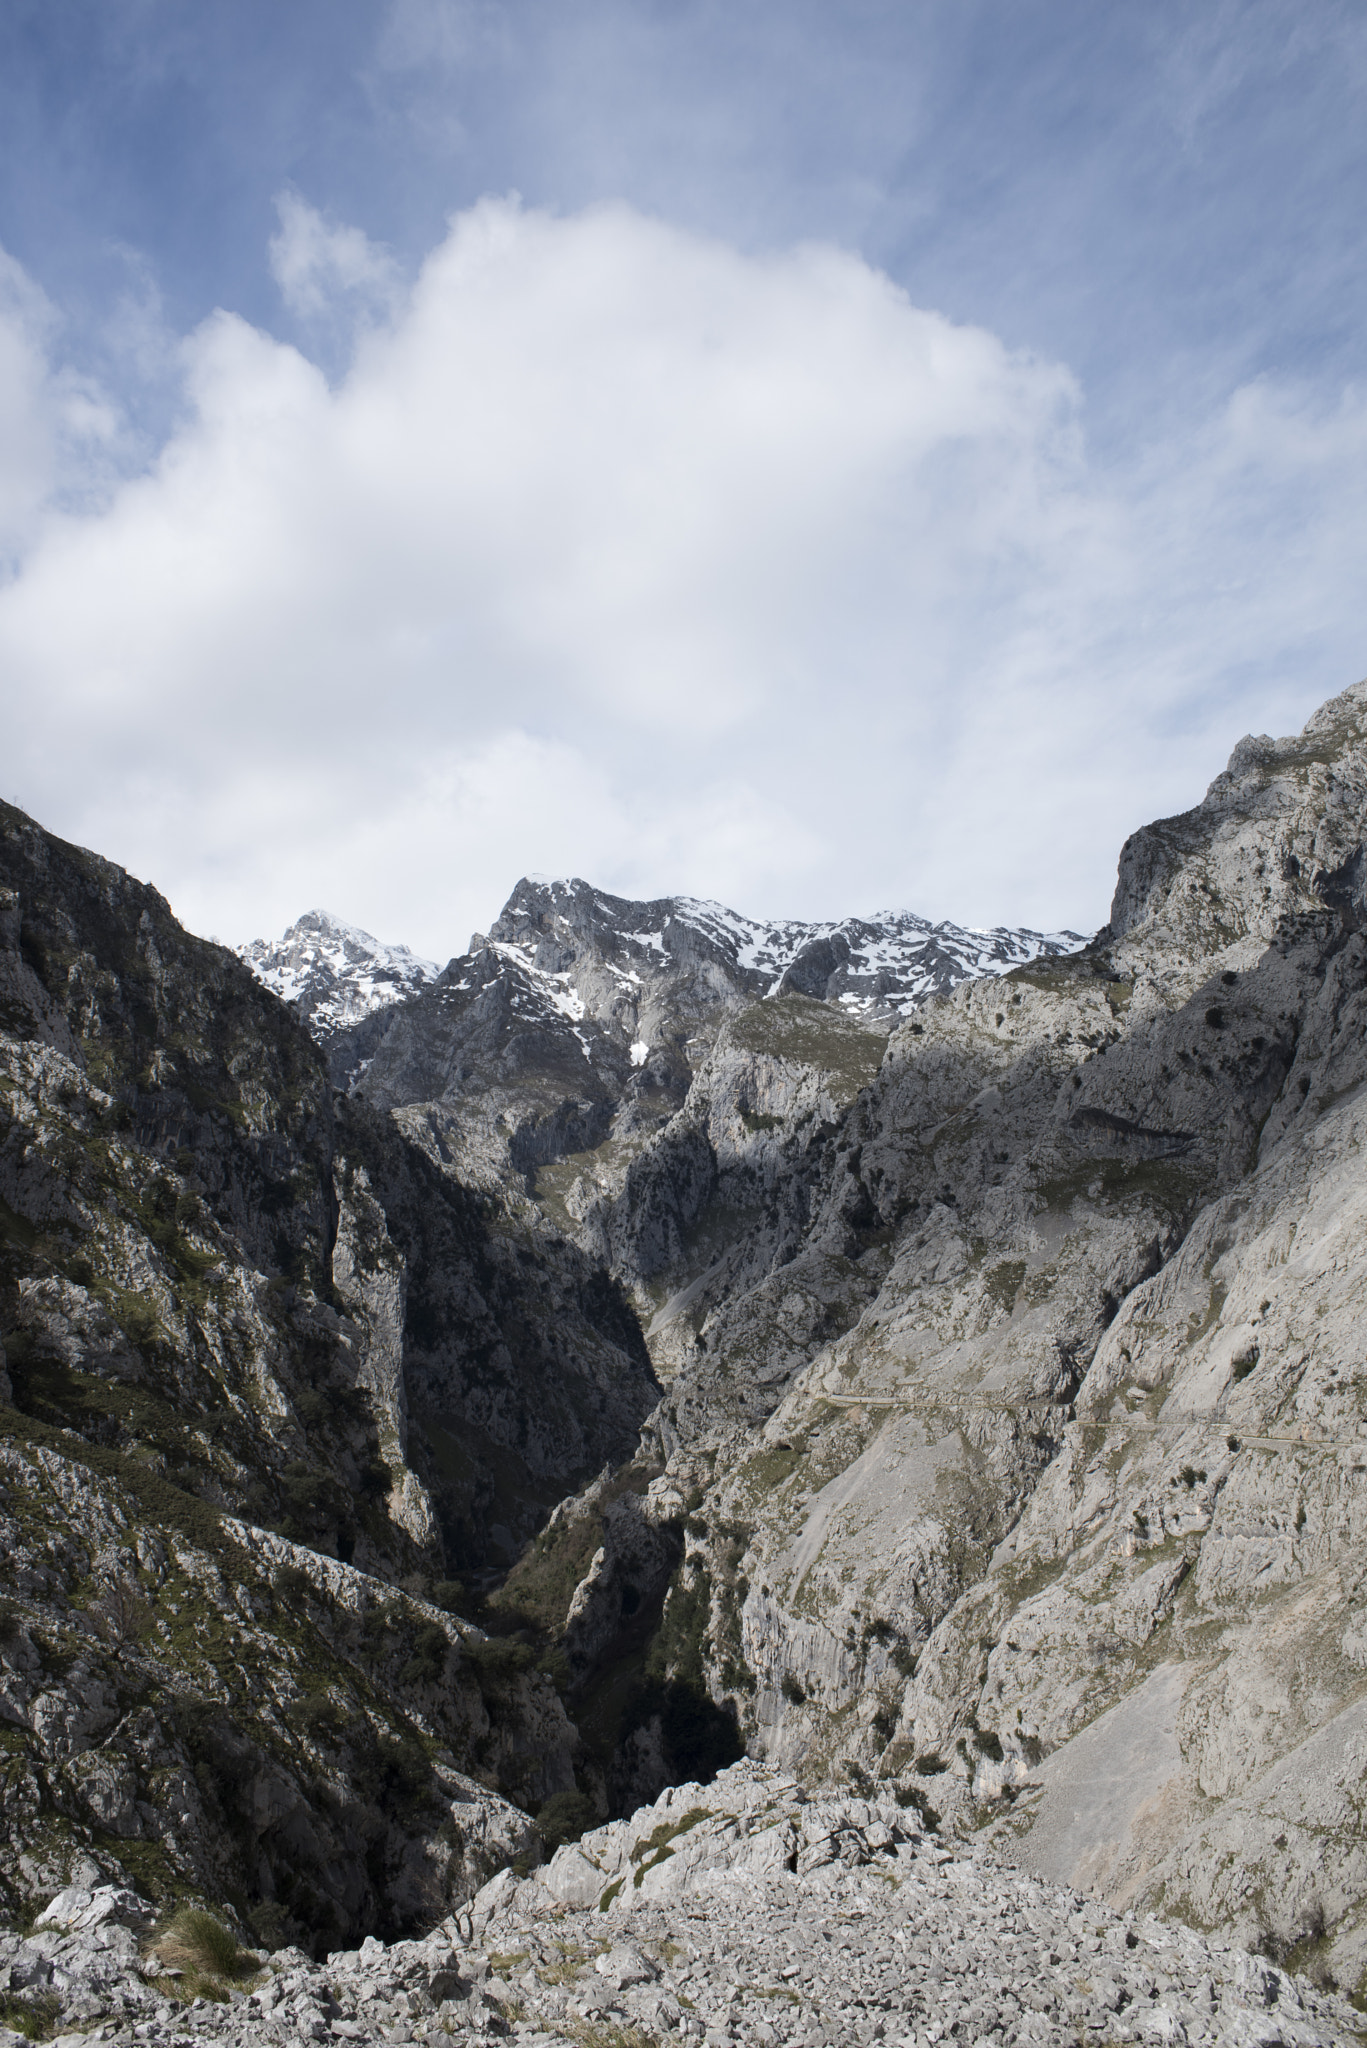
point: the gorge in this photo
(447, 1408)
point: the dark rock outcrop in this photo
(249, 1430)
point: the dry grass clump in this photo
(34, 2016)
(207, 1955)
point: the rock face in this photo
(518, 1357)
(735, 1911)
(336, 976)
(579, 1020)
(1065, 1519)
(268, 1379)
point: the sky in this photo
(823, 459)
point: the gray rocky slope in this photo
(1016, 1432)
(739, 1911)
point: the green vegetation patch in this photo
(52, 1392)
(207, 1955)
(1198, 1324)
(32, 2014)
(1002, 1283)
(564, 1818)
(1171, 1188)
(773, 1464)
(657, 1847)
(812, 1034)
(539, 1588)
(499, 1664)
(165, 1505)
(1069, 974)
(542, 1583)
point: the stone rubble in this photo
(743, 1911)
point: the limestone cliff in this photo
(1059, 1520)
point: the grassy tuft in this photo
(207, 1954)
(34, 2016)
(598, 2034)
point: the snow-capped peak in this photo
(568, 953)
(333, 972)
(883, 965)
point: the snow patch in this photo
(334, 972)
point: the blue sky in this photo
(815, 457)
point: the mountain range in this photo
(336, 975)
(925, 1360)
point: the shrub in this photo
(137, 1317)
(405, 1772)
(203, 1949)
(304, 1490)
(564, 1818)
(292, 1585)
(498, 1664)
(428, 1660)
(376, 1479)
(120, 1615)
(269, 1922)
(555, 1665)
(316, 1715)
(912, 1796)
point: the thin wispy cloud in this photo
(319, 265)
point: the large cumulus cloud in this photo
(615, 550)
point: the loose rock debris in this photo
(741, 1911)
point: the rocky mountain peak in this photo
(1275, 841)
(581, 1017)
(334, 973)
(882, 966)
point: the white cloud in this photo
(55, 427)
(26, 453)
(315, 264)
(458, 830)
(619, 552)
